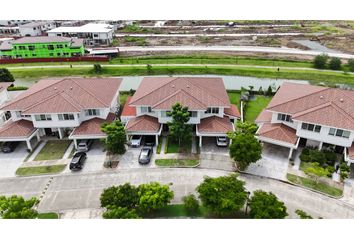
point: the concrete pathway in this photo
(36, 151)
(45, 163)
(194, 145)
(68, 151)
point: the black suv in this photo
(78, 161)
(8, 147)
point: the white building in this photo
(4, 97)
(306, 115)
(94, 34)
(36, 28)
(73, 108)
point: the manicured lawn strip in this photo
(176, 162)
(234, 98)
(313, 75)
(172, 147)
(175, 211)
(53, 149)
(255, 107)
(27, 171)
(49, 215)
(309, 183)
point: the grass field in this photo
(309, 183)
(176, 162)
(173, 147)
(254, 107)
(28, 171)
(53, 149)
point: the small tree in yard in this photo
(120, 213)
(315, 171)
(125, 196)
(16, 207)
(5, 75)
(246, 127)
(351, 64)
(179, 129)
(153, 196)
(224, 195)
(244, 149)
(191, 203)
(269, 91)
(320, 61)
(265, 205)
(335, 63)
(149, 69)
(116, 138)
(97, 68)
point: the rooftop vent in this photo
(188, 86)
(321, 97)
(71, 88)
(55, 88)
(342, 100)
(173, 86)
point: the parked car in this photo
(222, 141)
(136, 140)
(8, 147)
(84, 145)
(149, 140)
(145, 155)
(77, 161)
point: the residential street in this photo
(82, 191)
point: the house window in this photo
(311, 127)
(22, 47)
(92, 112)
(212, 110)
(59, 46)
(284, 117)
(43, 117)
(18, 114)
(193, 114)
(66, 117)
(339, 133)
(50, 47)
(146, 110)
(31, 47)
(95, 35)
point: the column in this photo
(320, 146)
(75, 143)
(290, 153)
(200, 141)
(29, 145)
(38, 137)
(157, 139)
(60, 133)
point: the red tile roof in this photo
(5, 85)
(264, 116)
(194, 92)
(351, 151)
(215, 125)
(278, 132)
(232, 111)
(127, 109)
(18, 129)
(66, 95)
(143, 123)
(92, 126)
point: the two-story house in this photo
(211, 113)
(73, 107)
(306, 115)
(4, 97)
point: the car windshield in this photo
(135, 137)
(144, 152)
(222, 139)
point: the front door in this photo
(48, 131)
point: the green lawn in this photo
(53, 149)
(234, 97)
(255, 107)
(49, 215)
(172, 147)
(176, 211)
(123, 97)
(28, 171)
(176, 162)
(309, 183)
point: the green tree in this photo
(335, 63)
(149, 69)
(153, 196)
(269, 91)
(116, 138)
(320, 61)
(303, 214)
(120, 213)
(222, 196)
(191, 203)
(246, 127)
(179, 129)
(351, 64)
(315, 171)
(6, 76)
(125, 196)
(97, 68)
(244, 149)
(344, 171)
(265, 205)
(16, 207)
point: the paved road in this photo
(82, 191)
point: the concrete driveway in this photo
(209, 146)
(130, 159)
(9, 162)
(274, 162)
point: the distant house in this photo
(36, 28)
(42, 47)
(93, 34)
(211, 113)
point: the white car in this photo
(136, 140)
(221, 141)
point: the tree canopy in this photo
(320, 61)
(6, 76)
(16, 207)
(116, 138)
(265, 205)
(179, 129)
(120, 213)
(153, 196)
(125, 196)
(222, 196)
(316, 171)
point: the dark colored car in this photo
(8, 147)
(149, 141)
(145, 155)
(78, 161)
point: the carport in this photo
(145, 126)
(19, 131)
(214, 127)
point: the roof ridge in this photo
(339, 109)
(177, 92)
(218, 121)
(284, 131)
(89, 92)
(70, 99)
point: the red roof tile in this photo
(278, 132)
(92, 126)
(215, 125)
(351, 151)
(5, 85)
(232, 111)
(17, 129)
(264, 116)
(128, 110)
(143, 123)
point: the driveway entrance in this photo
(9, 162)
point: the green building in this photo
(42, 47)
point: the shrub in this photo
(335, 63)
(17, 88)
(331, 157)
(351, 64)
(191, 203)
(97, 68)
(120, 213)
(302, 214)
(344, 170)
(6, 76)
(331, 170)
(320, 61)
(125, 196)
(266, 205)
(153, 196)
